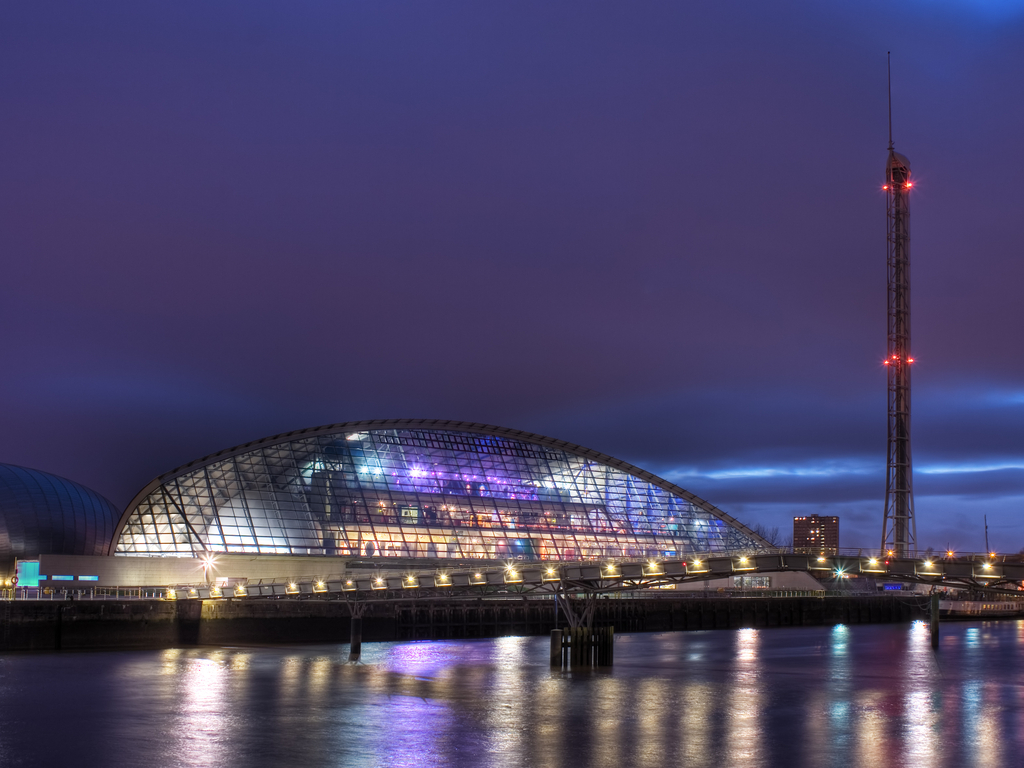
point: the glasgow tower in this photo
(899, 533)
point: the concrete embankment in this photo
(54, 625)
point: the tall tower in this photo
(899, 531)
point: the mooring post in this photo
(556, 648)
(356, 639)
(935, 620)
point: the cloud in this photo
(655, 231)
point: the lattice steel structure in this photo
(422, 488)
(899, 530)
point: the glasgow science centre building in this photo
(362, 494)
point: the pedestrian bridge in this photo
(379, 583)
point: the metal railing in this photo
(971, 571)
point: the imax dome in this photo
(418, 488)
(42, 514)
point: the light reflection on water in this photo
(827, 696)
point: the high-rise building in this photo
(814, 534)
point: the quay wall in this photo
(27, 625)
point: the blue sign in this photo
(28, 573)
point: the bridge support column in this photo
(556, 648)
(356, 639)
(934, 623)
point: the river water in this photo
(823, 696)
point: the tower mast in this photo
(899, 530)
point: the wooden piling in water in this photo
(578, 647)
(556, 648)
(934, 623)
(356, 639)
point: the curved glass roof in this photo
(422, 489)
(43, 514)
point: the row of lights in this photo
(443, 579)
(511, 574)
(927, 563)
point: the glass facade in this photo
(421, 492)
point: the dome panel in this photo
(42, 514)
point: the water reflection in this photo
(830, 696)
(838, 700)
(611, 705)
(920, 707)
(744, 739)
(870, 729)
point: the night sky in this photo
(655, 229)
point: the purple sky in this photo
(653, 228)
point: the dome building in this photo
(43, 514)
(421, 489)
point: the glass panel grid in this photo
(421, 493)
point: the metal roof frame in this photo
(443, 425)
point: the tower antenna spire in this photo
(888, 73)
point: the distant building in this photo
(816, 534)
